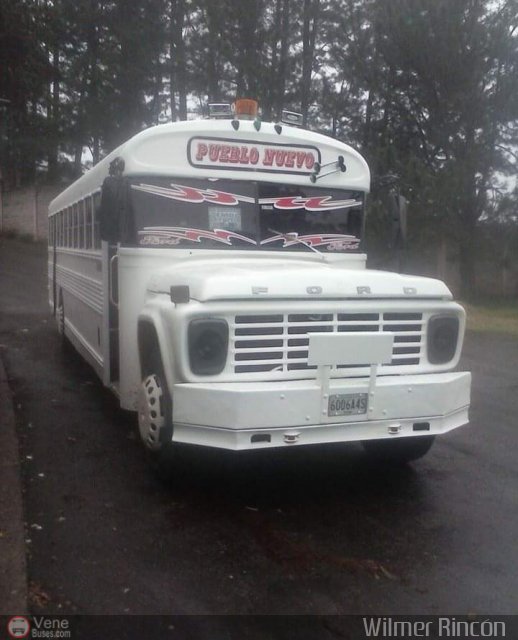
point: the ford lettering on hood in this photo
(232, 279)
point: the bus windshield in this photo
(234, 214)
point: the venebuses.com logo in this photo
(18, 627)
(39, 627)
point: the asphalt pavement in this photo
(13, 575)
(304, 531)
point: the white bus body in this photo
(229, 301)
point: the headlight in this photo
(208, 346)
(443, 335)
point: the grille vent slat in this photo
(357, 317)
(298, 342)
(297, 354)
(404, 361)
(257, 344)
(265, 355)
(309, 317)
(358, 327)
(310, 329)
(409, 339)
(395, 328)
(399, 350)
(258, 331)
(254, 368)
(299, 366)
(277, 343)
(258, 319)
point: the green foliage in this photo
(24, 74)
(426, 89)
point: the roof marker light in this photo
(292, 118)
(246, 109)
(218, 110)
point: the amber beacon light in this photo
(245, 109)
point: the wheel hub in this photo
(151, 417)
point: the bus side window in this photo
(68, 227)
(71, 228)
(81, 224)
(74, 227)
(88, 223)
(97, 206)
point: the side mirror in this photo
(398, 215)
(110, 209)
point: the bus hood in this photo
(238, 278)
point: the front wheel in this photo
(152, 412)
(155, 422)
(400, 450)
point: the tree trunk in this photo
(269, 98)
(467, 263)
(442, 259)
(178, 62)
(96, 149)
(53, 138)
(78, 154)
(93, 126)
(212, 61)
(181, 62)
(309, 29)
(368, 120)
(283, 59)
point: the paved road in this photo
(302, 531)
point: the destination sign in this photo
(219, 153)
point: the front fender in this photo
(159, 315)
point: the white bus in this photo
(212, 273)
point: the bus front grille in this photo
(279, 342)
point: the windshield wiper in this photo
(293, 236)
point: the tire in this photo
(155, 420)
(60, 320)
(60, 315)
(398, 451)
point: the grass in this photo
(11, 234)
(493, 316)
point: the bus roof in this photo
(215, 149)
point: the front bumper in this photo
(256, 415)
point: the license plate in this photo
(347, 404)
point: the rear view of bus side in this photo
(212, 272)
